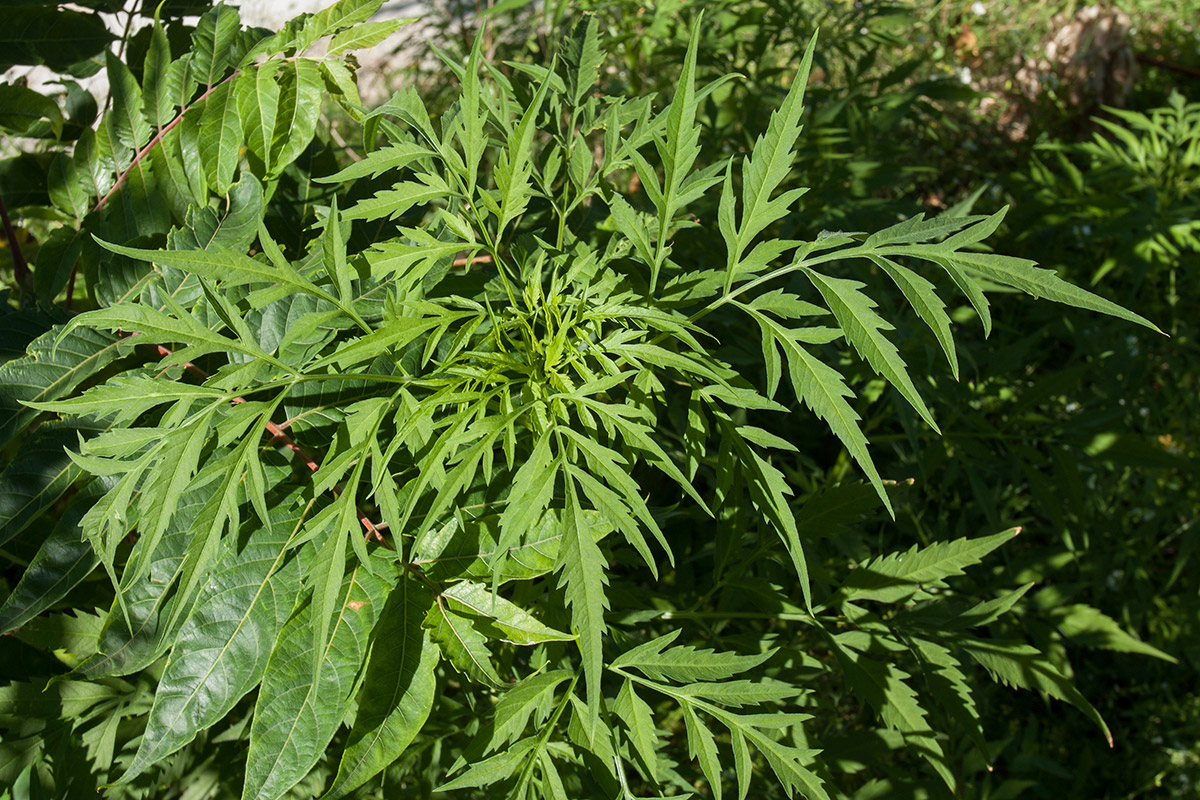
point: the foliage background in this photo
(1077, 429)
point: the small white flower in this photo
(978, 8)
(964, 74)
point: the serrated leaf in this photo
(230, 267)
(528, 698)
(393, 157)
(397, 693)
(639, 723)
(1023, 666)
(463, 646)
(583, 576)
(893, 577)
(296, 716)
(823, 390)
(703, 747)
(922, 296)
(516, 624)
(492, 770)
(769, 164)
(396, 201)
(685, 663)
(1091, 627)
(863, 329)
(883, 687)
(222, 650)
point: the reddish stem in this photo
(278, 434)
(20, 265)
(158, 137)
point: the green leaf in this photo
(703, 747)
(863, 329)
(129, 128)
(127, 397)
(462, 645)
(158, 328)
(684, 663)
(584, 578)
(222, 651)
(22, 108)
(55, 365)
(161, 85)
(398, 691)
(63, 560)
(37, 475)
(769, 164)
(220, 137)
(128, 646)
(396, 201)
(515, 624)
(296, 716)
(230, 267)
(639, 723)
(516, 162)
(532, 696)
(1023, 666)
(823, 390)
(883, 687)
(258, 107)
(212, 43)
(363, 36)
(492, 770)
(300, 91)
(923, 297)
(394, 157)
(893, 577)
(1090, 627)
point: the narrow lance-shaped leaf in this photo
(296, 717)
(222, 650)
(584, 578)
(863, 328)
(767, 167)
(398, 691)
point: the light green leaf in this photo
(893, 577)
(300, 91)
(362, 36)
(258, 108)
(584, 578)
(220, 137)
(463, 646)
(516, 624)
(922, 296)
(863, 329)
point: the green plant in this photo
(475, 480)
